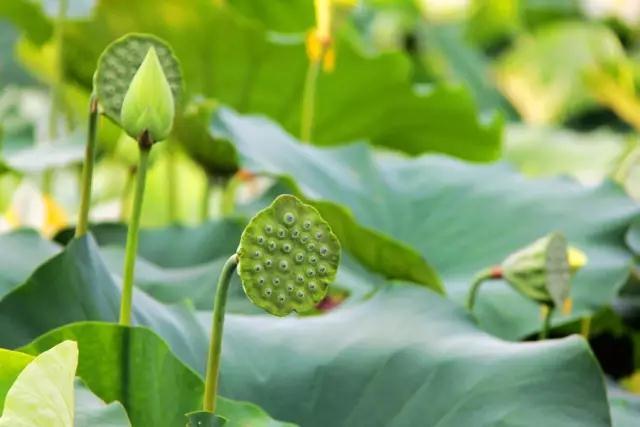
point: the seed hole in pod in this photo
(313, 286)
(289, 218)
(319, 235)
(282, 233)
(261, 281)
(322, 269)
(306, 225)
(311, 272)
(324, 251)
(283, 265)
(260, 240)
(275, 281)
(295, 233)
(313, 259)
(257, 253)
(311, 247)
(272, 245)
(290, 287)
(300, 294)
(299, 257)
(304, 238)
(286, 248)
(268, 228)
(268, 263)
(268, 292)
(257, 268)
(300, 278)
(281, 298)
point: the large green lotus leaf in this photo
(91, 411)
(29, 16)
(279, 15)
(22, 252)
(588, 157)
(42, 394)
(407, 357)
(75, 285)
(177, 262)
(229, 58)
(461, 217)
(134, 366)
(625, 406)
(543, 82)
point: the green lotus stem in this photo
(145, 144)
(205, 203)
(217, 325)
(546, 324)
(131, 174)
(172, 178)
(478, 279)
(309, 95)
(228, 197)
(87, 169)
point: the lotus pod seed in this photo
(257, 253)
(278, 230)
(289, 218)
(324, 251)
(257, 268)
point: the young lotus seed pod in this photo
(541, 271)
(279, 272)
(158, 84)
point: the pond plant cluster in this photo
(318, 213)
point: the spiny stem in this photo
(478, 279)
(87, 169)
(132, 234)
(217, 325)
(546, 324)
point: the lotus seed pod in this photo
(297, 273)
(120, 62)
(541, 270)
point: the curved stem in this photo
(87, 169)
(478, 279)
(132, 234)
(217, 325)
(546, 324)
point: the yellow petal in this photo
(55, 216)
(323, 19)
(577, 258)
(567, 306)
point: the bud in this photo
(148, 104)
(541, 271)
(577, 259)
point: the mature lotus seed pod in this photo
(296, 271)
(541, 271)
(120, 62)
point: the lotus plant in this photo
(137, 82)
(541, 272)
(286, 260)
